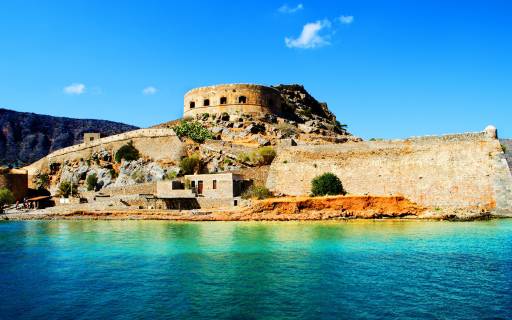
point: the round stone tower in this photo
(232, 99)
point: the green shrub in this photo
(66, 189)
(326, 184)
(113, 173)
(170, 175)
(193, 130)
(92, 181)
(263, 156)
(243, 157)
(42, 180)
(189, 165)
(287, 130)
(340, 125)
(257, 192)
(504, 148)
(127, 152)
(138, 176)
(6, 198)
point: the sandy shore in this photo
(274, 209)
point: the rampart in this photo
(452, 171)
(157, 144)
(232, 99)
(15, 180)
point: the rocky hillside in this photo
(303, 119)
(26, 137)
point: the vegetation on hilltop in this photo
(6, 198)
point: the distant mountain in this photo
(26, 137)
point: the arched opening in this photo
(206, 102)
(223, 100)
(242, 99)
(192, 104)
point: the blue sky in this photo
(389, 69)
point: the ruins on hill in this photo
(278, 138)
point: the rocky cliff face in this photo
(27, 137)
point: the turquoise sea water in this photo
(249, 270)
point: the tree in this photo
(92, 181)
(257, 192)
(127, 152)
(6, 198)
(189, 165)
(326, 184)
(42, 180)
(263, 156)
(66, 188)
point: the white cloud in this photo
(148, 91)
(286, 9)
(310, 36)
(75, 88)
(346, 19)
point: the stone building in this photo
(91, 136)
(221, 190)
(232, 99)
(15, 180)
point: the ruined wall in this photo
(157, 144)
(456, 171)
(15, 180)
(226, 98)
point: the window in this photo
(193, 184)
(242, 99)
(235, 203)
(206, 102)
(223, 100)
(91, 138)
(214, 184)
(192, 104)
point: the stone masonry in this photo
(452, 171)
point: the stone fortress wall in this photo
(232, 99)
(15, 180)
(452, 171)
(157, 144)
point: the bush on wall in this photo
(326, 184)
(127, 152)
(193, 130)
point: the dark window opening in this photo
(242, 99)
(235, 203)
(193, 184)
(192, 105)
(223, 100)
(91, 139)
(214, 184)
(200, 187)
(206, 102)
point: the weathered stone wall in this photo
(136, 189)
(157, 144)
(456, 171)
(226, 98)
(14, 180)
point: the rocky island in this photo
(251, 152)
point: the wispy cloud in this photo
(346, 19)
(75, 89)
(148, 91)
(310, 36)
(287, 9)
